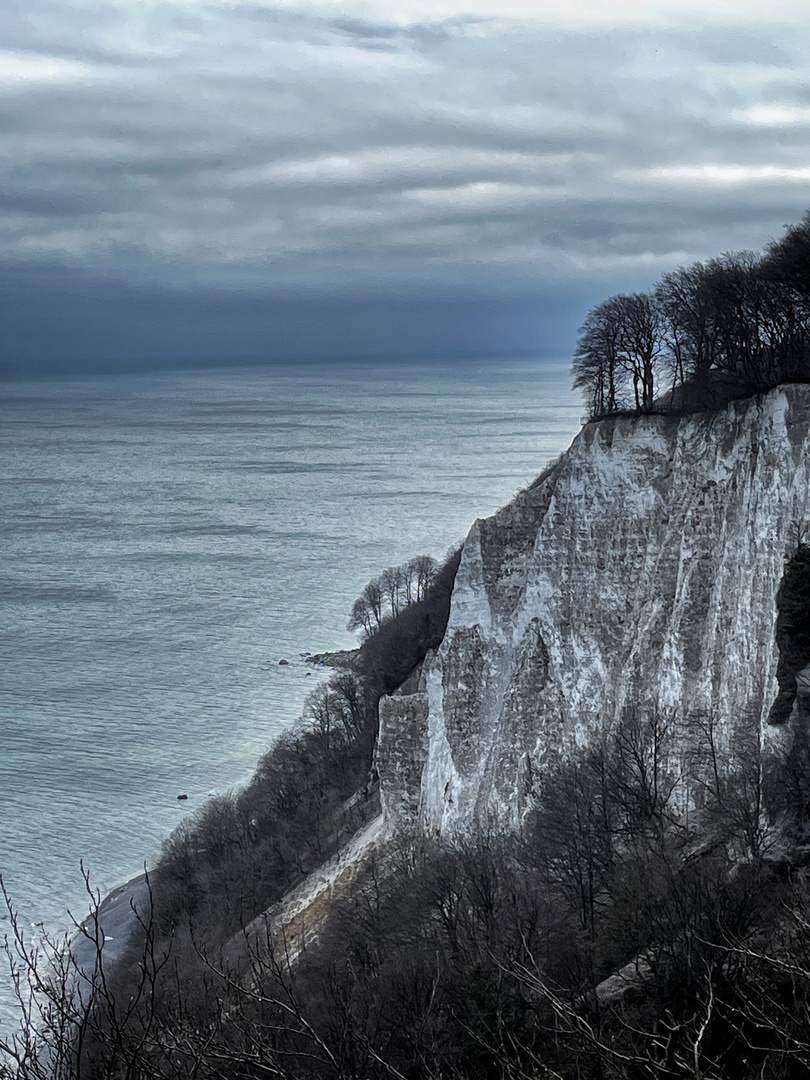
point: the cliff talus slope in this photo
(641, 573)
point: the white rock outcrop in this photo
(644, 568)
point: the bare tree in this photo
(573, 829)
(423, 570)
(596, 366)
(641, 344)
(788, 260)
(392, 581)
(688, 301)
(395, 589)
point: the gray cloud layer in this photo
(253, 146)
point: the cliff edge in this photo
(641, 573)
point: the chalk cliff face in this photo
(642, 570)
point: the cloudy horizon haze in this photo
(222, 181)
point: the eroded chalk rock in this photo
(641, 573)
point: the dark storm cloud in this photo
(317, 150)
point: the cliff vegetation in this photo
(706, 334)
(609, 938)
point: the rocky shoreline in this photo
(107, 931)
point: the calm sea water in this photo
(167, 539)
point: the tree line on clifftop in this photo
(706, 334)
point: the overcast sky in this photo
(237, 179)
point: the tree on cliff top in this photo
(736, 325)
(788, 260)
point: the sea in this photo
(169, 538)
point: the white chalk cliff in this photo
(643, 568)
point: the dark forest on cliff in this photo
(706, 334)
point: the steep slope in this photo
(642, 573)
